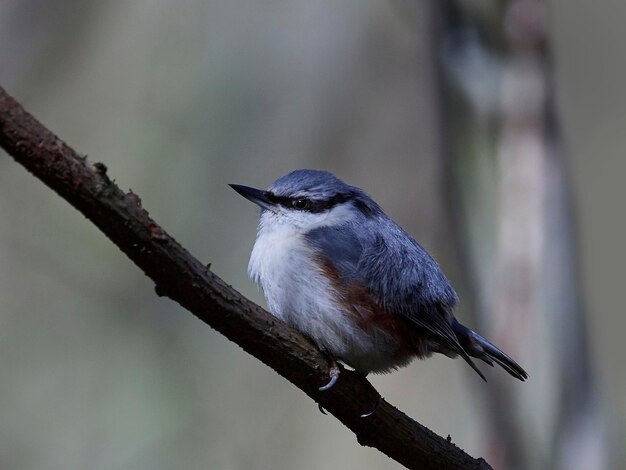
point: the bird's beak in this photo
(257, 196)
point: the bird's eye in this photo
(300, 204)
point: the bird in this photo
(334, 266)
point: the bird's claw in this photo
(334, 376)
(367, 414)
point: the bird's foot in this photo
(334, 376)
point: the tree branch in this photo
(181, 277)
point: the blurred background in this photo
(490, 130)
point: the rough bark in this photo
(181, 277)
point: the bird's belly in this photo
(298, 292)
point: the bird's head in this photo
(308, 199)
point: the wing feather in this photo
(399, 274)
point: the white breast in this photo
(298, 293)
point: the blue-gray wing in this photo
(401, 277)
(340, 246)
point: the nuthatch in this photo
(334, 266)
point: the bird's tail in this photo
(477, 346)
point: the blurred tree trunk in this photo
(502, 151)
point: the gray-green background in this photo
(179, 98)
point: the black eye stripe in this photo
(312, 205)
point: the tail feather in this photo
(478, 347)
